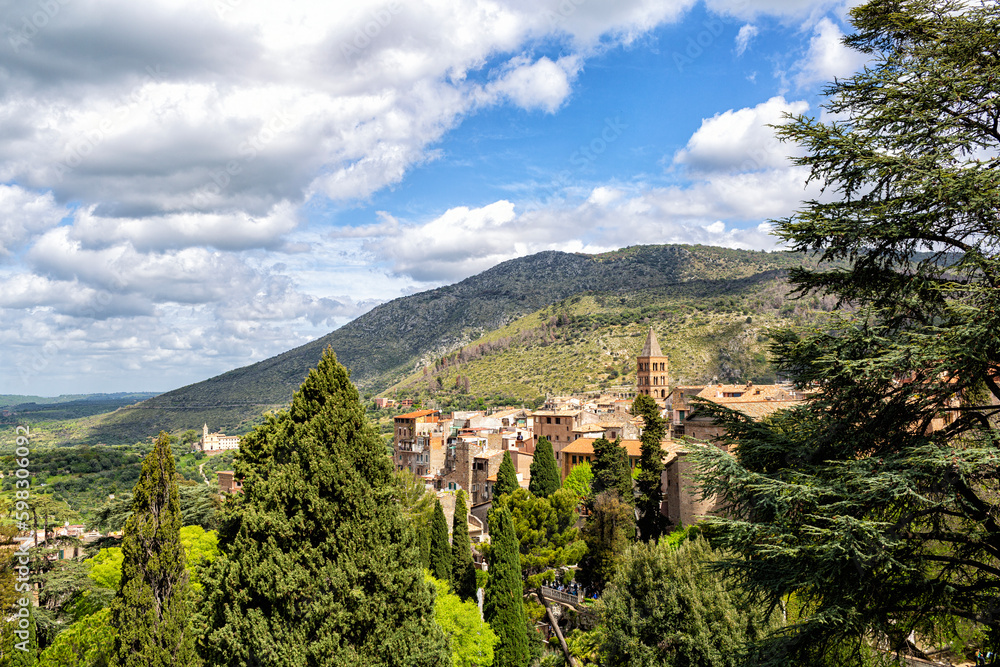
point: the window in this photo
(558, 420)
(475, 488)
(548, 420)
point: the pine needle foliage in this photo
(440, 548)
(652, 523)
(545, 477)
(503, 607)
(463, 571)
(151, 610)
(318, 566)
(888, 477)
(506, 479)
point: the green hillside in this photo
(386, 345)
(710, 329)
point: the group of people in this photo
(984, 658)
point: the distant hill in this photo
(67, 406)
(390, 342)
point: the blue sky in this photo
(186, 188)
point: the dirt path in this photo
(201, 471)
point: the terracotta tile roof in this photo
(418, 413)
(747, 393)
(585, 446)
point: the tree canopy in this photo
(463, 570)
(506, 478)
(666, 608)
(151, 610)
(652, 523)
(887, 477)
(440, 547)
(503, 607)
(470, 638)
(611, 469)
(546, 532)
(545, 477)
(609, 530)
(579, 480)
(317, 564)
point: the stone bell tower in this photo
(651, 371)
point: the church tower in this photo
(651, 371)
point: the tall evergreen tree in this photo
(545, 477)
(506, 479)
(651, 521)
(503, 605)
(887, 476)
(463, 571)
(440, 548)
(611, 470)
(609, 530)
(318, 566)
(151, 610)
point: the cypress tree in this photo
(651, 522)
(611, 470)
(506, 479)
(503, 607)
(424, 545)
(440, 549)
(151, 609)
(317, 564)
(545, 478)
(463, 571)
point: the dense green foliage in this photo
(545, 478)
(666, 608)
(89, 642)
(417, 504)
(611, 470)
(463, 570)
(609, 530)
(199, 505)
(579, 479)
(503, 607)
(547, 536)
(506, 479)
(28, 657)
(652, 522)
(151, 610)
(440, 547)
(317, 563)
(470, 638)
(888, 477)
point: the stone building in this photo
(216, 443)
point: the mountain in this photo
(389, 342)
